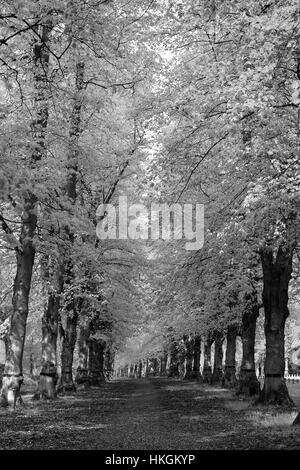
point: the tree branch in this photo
(8, 231)
(199, 162)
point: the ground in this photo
(149, 414)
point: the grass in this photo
(155, 414)
(275, 419)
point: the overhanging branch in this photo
(9, 232)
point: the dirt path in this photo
(141, 414)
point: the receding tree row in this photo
(158, 101)
(182, 359)
(79, 129)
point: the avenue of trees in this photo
(163, 101)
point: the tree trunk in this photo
(147, 368)
(196, 358)
(174, 361)
(131, 371)
(207, 372)
(181, 358)
(125, 371)
(229, 379)
(96, 362)
(13, 371)
(261, 365)
(155, 367)
(69, 336)
(1, 373)
(83, 351)
(140, 369)
(25, 251)
(189, 342)
(248, 384)
(218, 358)
(48, 374)
(276, 277)
(66, 383)
(109, 363)
(163, 364)
(297, 420)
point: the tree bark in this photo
(140, 369)
(174, 360)
(229, 379)
(197, 357)
(189, 342)
(25, 251)
(276, 277)
(69, 336)
(163, 364)
(248, 384)
(156, 367)
(66, 383)
(125, 371)
(147, 368)
(1, 373)
(109, 362)
(207, 372)
(217, 375)
(181, 358)
(83, 351)
(297, 420)
(131, 371)
(96, 362)
(48, 375)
